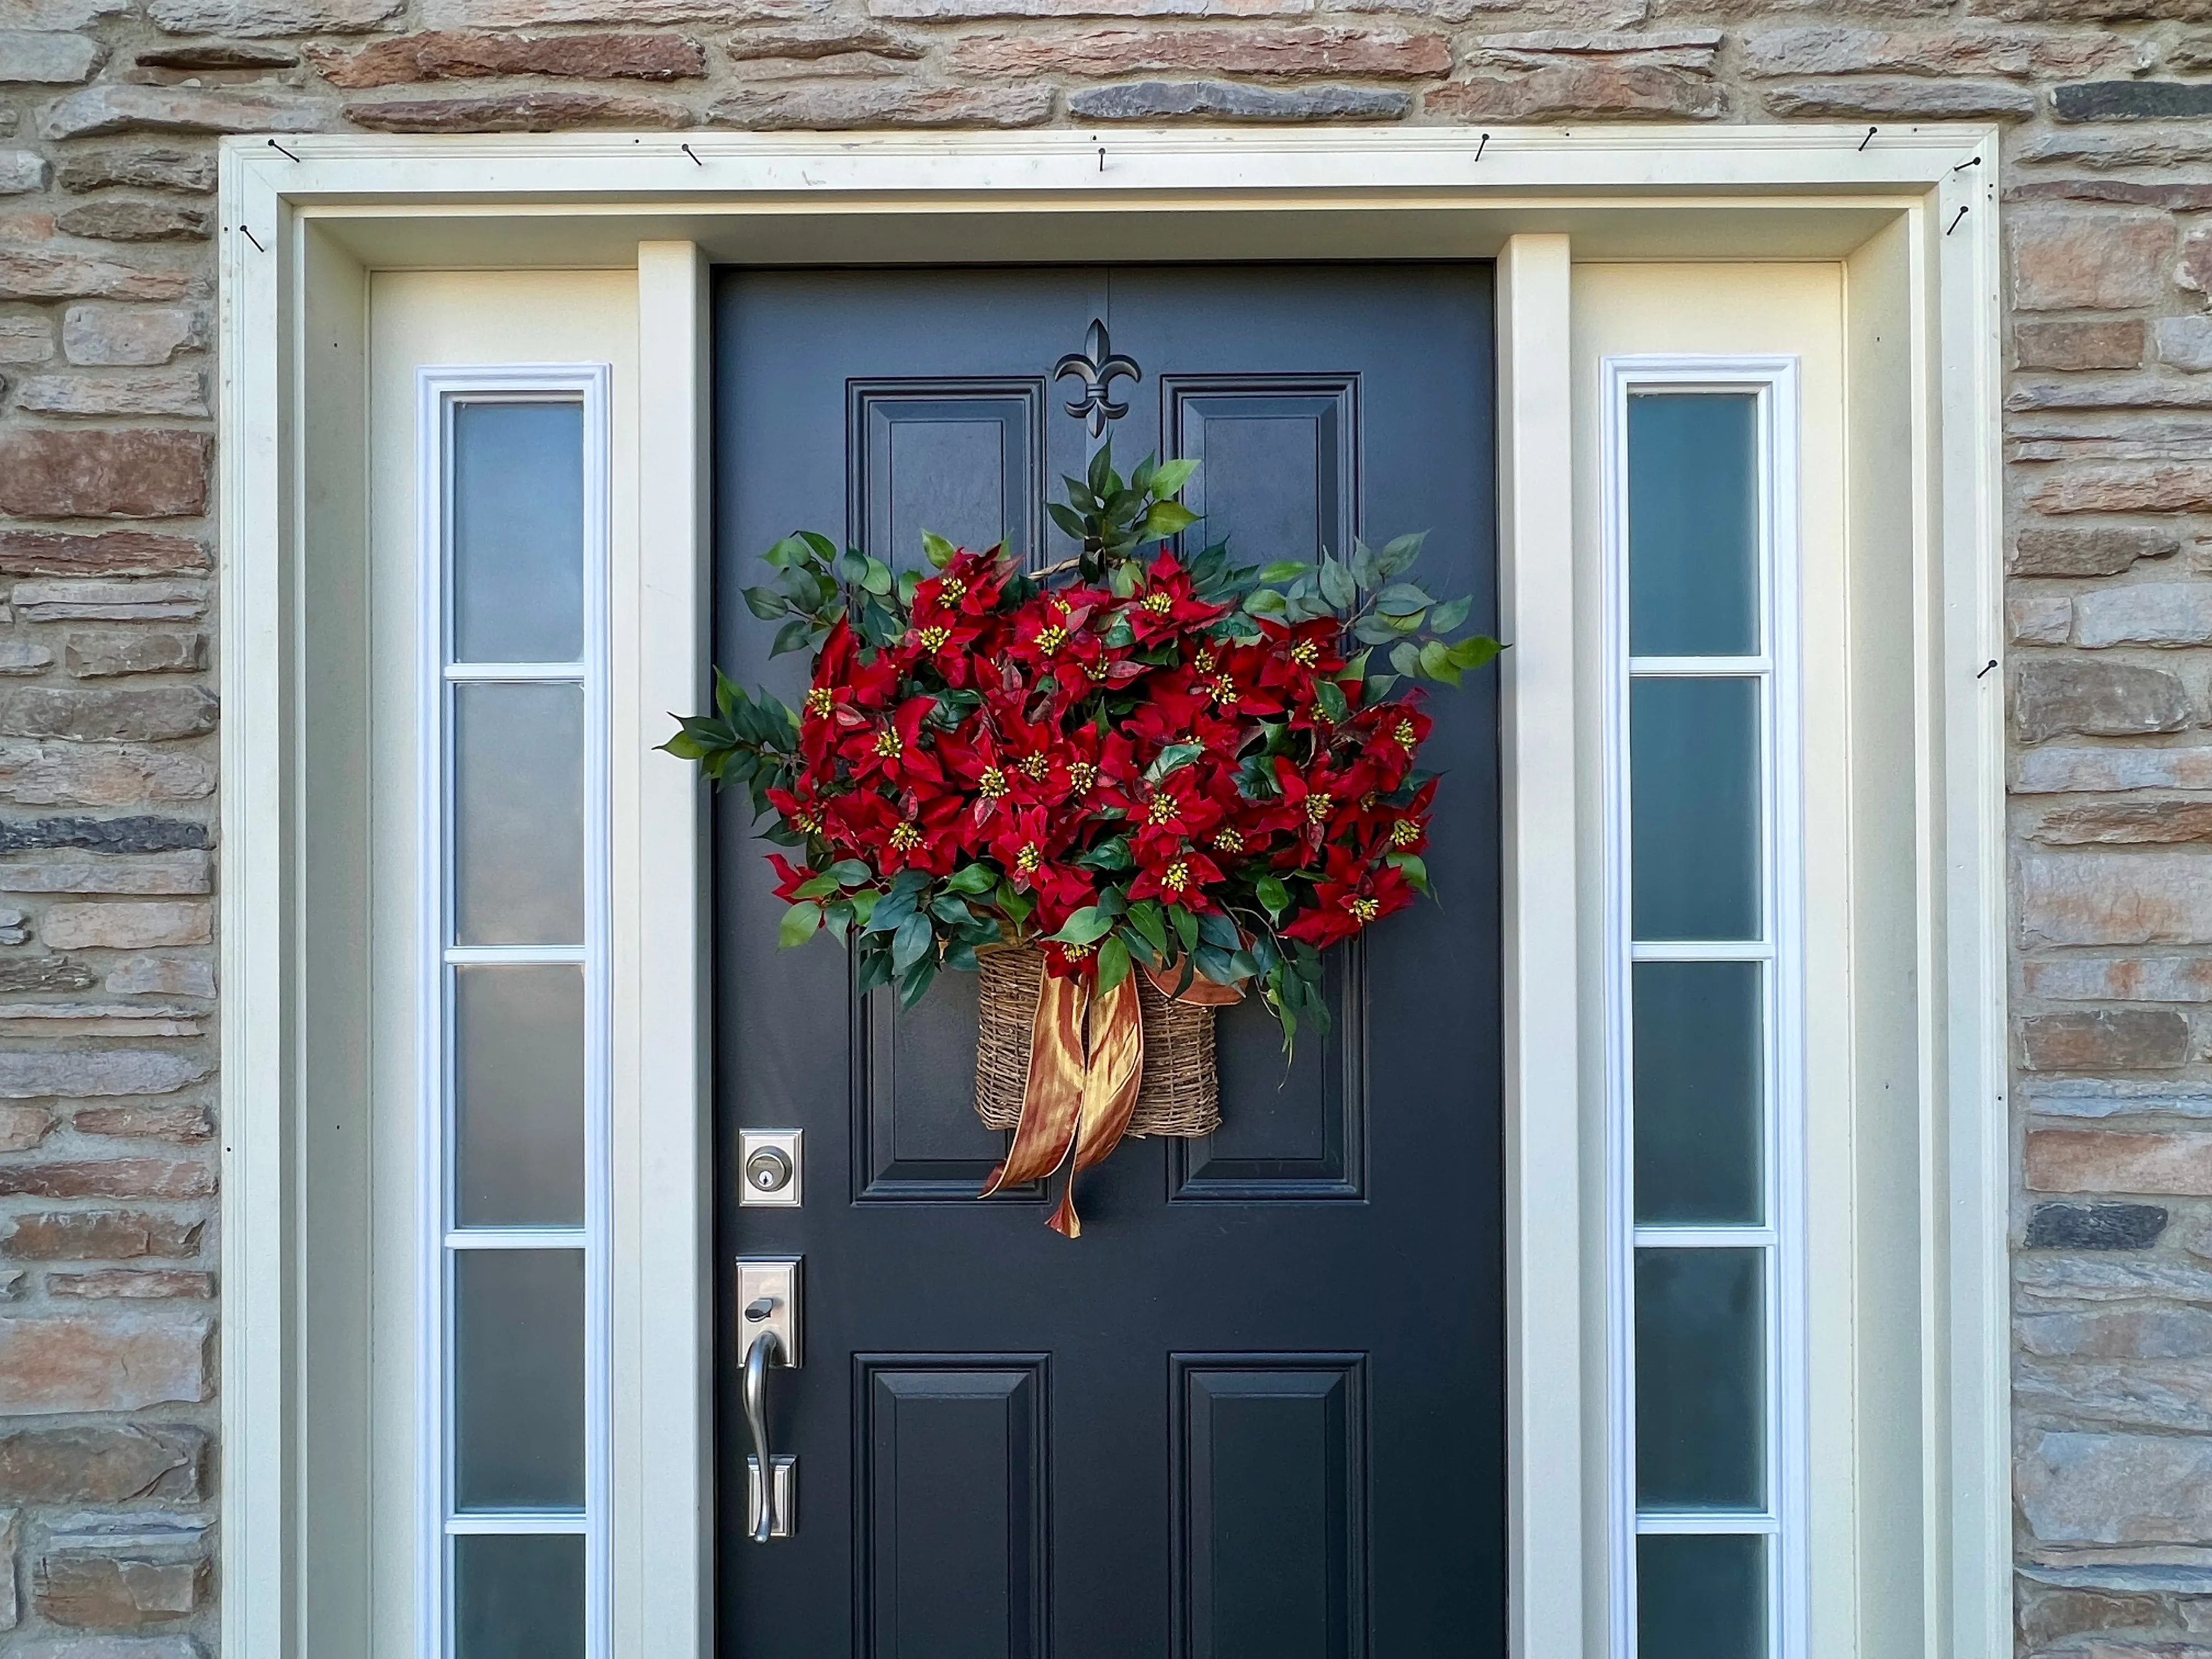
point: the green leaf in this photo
(939, 551)
(1068, 520)
(1336, 585)
(908, 581)
(1139, 946)
(766, 603)
(975, 879)
(1285, 570)
(1273, 894)
(847, 872)
(1175, 756)
(852, 568)
(799, 925)
(1113, 963)
(951, 910)
(1086, 927)
(791, 636)
(821, 887)
(1146, 916)
(1473, 653)
(1399, 555)
(1328, 697)
(1406, 657)
(1450, 614)
(914, 981)
(1264, 602)
(1215, 965)
(1414, 868)
(1402, 600)
(1219, 932)
(864, 905)
(875, 971)
(1437, 662)
(1165, 518)
(1186, 926)
(914, 941)
(1101, 477)
(819, 545)
(876, 577)
(1172, 476)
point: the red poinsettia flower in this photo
(789, 876)
(1165, 605)
(1349, 896)
(983, 768)
(1175, 875)
(967, 589)
(845, 692)
(893, 748)
(1381, 829)
(912, 834)
(1174, 810)
(1321, 799)
(1393, 733)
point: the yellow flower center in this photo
(1081, 775)
(1305, 653)
(1366, 908)
(1203, 662)
(1319, 805)
(1178, 877)
(1224, 691)
(1035, 765)
(906, 835)
(1406, 737)
(807, 824)
(952, 590)
(821, 700)
(1230, 840)
(1029, 859)
(934, 639)
(1051, 638)
(1078, 952)
(1160, 809)
(992, 784)
(887, 743)
(1159, 603)
(1405, 833)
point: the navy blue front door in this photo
(1256, 1410)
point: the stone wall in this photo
(107, 113)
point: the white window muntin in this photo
(441, 391)
(1773, 666)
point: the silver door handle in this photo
(765, 1350)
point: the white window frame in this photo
(1776, 668)
(439, 390)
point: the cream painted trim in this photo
(291, 295)
(1544, 1224)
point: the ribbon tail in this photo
(1115, 1072)
(1052, 1099)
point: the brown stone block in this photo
(105, 553)
(2180, 198)
(113, 1177)
(121, 107)
(177, 391)
(2181, 487)
(72, 774)
(2088, 550)
(1374, 53)
(273, 17)
(460, 54)
(142, 473)
(2043, 1617)
(1827, 49)
(2096, 261)
(105, 655)
(107, 1592)
(2116, 1161)
(114, 1463)
(806, 41)
(131, 715)
(126, 927)
(2078, 343)
(29, 274)
(101, 1363)
(835, 107)
(132, 1284)
(2127, 1039)
(97, 1235)
(2114, 898)
(183, 1121)
(2127, 823)
(136, 221)
(1597, 89)
(524, 110)
(2100, 699)
(145, 168)
(1901, 99)
(23, 1127)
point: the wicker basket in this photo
(1180, 1093)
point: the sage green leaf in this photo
(1273, 894)
(876, 577)
(1264, 602)
(975, 879)
(1406, 657)
(1475, 652)
(799, 925)
(1437, 663)
(1285, 570)
(914, 981)
(1086, 927)
(1165, 518)
(847, 872)
(939, 551)
(914, 941)
(819, 545)
(1401, 600)
(1171, 476)
(798, 632)
(820, 887)
(1449, 616)
(1336, 585)
(1113, 963)
(1145, 915)
(766, 603)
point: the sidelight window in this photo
(1703, 928)
(514, 1024)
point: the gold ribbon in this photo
(1073, 1098)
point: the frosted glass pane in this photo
(519, 1096)
(1700, 1379)
(1693, 808)
(518, 1597)
(1698, 1127)
(519, 814)
(1700, 1597)
(517, 555)
(519, 1379)
(1693, 523)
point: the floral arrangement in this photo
(1130, 759)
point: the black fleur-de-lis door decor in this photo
(1098, 366)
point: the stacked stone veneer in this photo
(109, 110)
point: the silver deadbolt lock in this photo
(769, 1160)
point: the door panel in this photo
(1256, 1409)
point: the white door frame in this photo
(303, 222)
